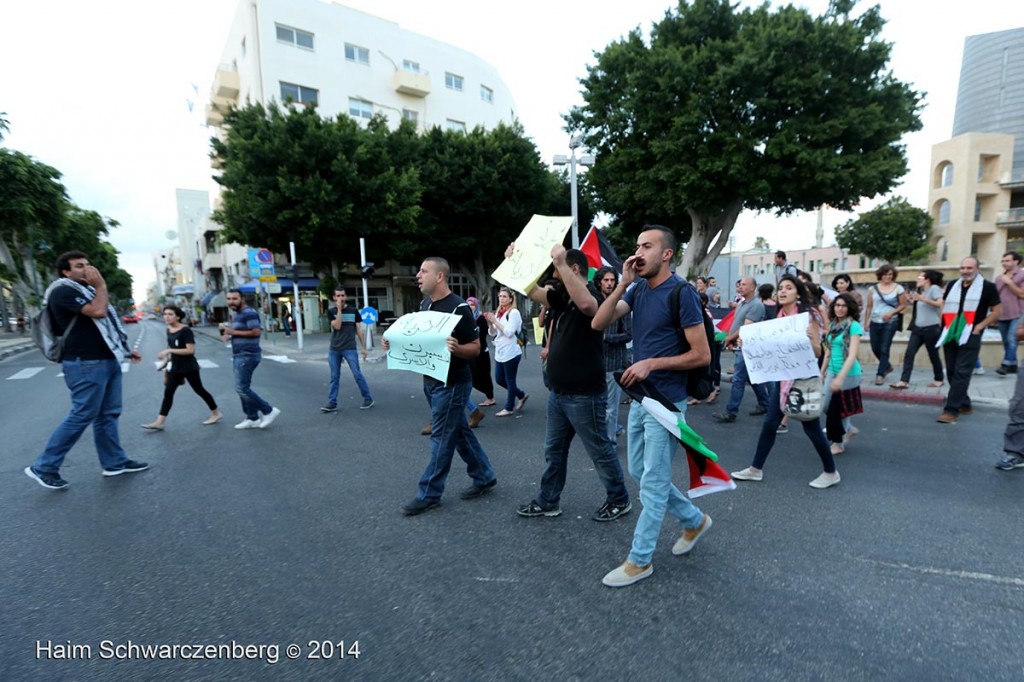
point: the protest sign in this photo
(532, 254)
(418, 342)
(778, 350)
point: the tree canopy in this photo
(724, 109)
(894, 231)
(290, 175)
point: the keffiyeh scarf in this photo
(110, 327)
(956, 325)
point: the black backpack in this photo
(45, 337)
(700, 381)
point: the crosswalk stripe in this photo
(125, 366)
(208, 364)
(26, 373)
(283, 359)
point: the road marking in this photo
(208, 364)
(26, 373)
(283, 359)
(495, 580)
(970, 575)
(125, 366)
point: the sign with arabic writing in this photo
(778, 350)
(532, 254)
(418, 342)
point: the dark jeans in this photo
(771, 422)
(739, 384)
(505, 374)
(881, 342)
(174, 379)
(569, 414)
(450, 432)
(923, 336)
(959, 366)
(1008, 332)
(252, 404)
(1013, 437)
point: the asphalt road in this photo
(910, 569)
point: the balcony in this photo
(1011, 217)
(214, 117)
(414, 84)
(1012, 180)
(225, 84)
(212, 261)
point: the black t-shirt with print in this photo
(182, 364)
(576, 354)
(459, 371)
(85, 341)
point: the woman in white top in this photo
(925, 327)
(886, 300)
(503, 325)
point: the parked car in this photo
(130, 318)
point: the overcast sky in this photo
(100, 90)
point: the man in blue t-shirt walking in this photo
(244, 332)
(657, 358)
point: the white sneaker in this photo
(690, 536)
(620, 578)
(268, 419)
(748, 474)
(825, 480)
(248, 424)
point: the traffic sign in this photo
(271, 287)
(369, 315)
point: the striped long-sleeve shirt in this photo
(616, 355)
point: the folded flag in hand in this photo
(705, 475)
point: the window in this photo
(947, 175)
(359, 108)
(977, 210)
(453, 82)
(410, 66)
(455, 126)
(410, 115)
(299, 94)
(293, 36)
(486, 94)
(243, 47)
(944, 212)
(354, 53)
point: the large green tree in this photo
(724, 109)
(894, 231)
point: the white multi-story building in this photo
(353, 63)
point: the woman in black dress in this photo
(482, 365)
(179, 359)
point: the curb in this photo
(14, 350)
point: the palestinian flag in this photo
(599, 253)
(725, 323)
(705, 475)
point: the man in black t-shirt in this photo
(576, 401)
(449, 427)
(346, 329)
(93, 350)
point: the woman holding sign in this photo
(503, 325)
(793, 300)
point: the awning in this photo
(206, 299)
(183, 289)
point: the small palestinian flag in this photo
(599, 252)
(705, 475)
(724, 324)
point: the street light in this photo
(572, 160)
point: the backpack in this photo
(521, 337)
(46, 339)
(700, 381)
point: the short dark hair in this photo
(780, 254)
(765, 291)
(852, 309)
(933, 276)
(64, 260)
(341, 289)
(604, 270)
(442, 265)
(577, 257)
(668, 238)
(178, 312)
(238, 291)
(702, 278)
(1014, 255)
(884, 269)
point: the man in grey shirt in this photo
(749, 311)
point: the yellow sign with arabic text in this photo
(532, 254)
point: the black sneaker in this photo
(534, 509)
(759, 411)
(328, 409)
(1008, 463)
(367, 404)
(130, 466)
(474, 491)
(419, 506)
(724, 417)
(610, 511)
(51, 481)
(1006, 369)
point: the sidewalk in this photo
(14, 343)
(314, 346)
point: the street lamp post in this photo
(571, 161)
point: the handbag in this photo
(850, 402)
(898, 316)
(803, 400)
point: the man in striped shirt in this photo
(616, 354)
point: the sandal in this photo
(714, 396)
(504, 413)
(487, 403)
(692, 401)
(879, 380)
(900, 385)
(837, 449)
(153, 427)
(936, 384)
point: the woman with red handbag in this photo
(841, 371)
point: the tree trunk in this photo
(480, 279)
(700, 254)
(18, 284)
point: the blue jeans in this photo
(505, 376)
(450, 432)
(881, 341)
(567, 415)
(650, 448)
(351, 357)
(812, 429)
(739, 384)
(611, 398)
(245, 364)
(95, 399)
(1008, 330)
